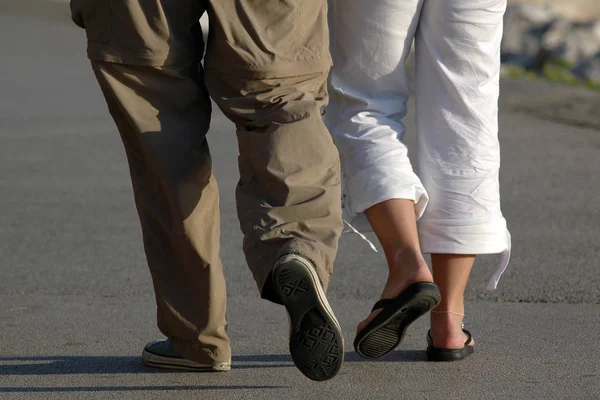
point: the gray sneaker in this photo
(161, 354)
(316, 341)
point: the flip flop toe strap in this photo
(470, 337)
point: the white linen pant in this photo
(457, 50)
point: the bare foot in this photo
(409, 269)
(447, 333)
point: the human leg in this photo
(146, 60)
(267, 72)
(395, 225)
(458, 62)
(369, 89)
(450, 273)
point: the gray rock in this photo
(573, 42)
(589, 70)
(537, 14)
(574, 10)
(557, 31)
(524, 27)
(535, 35)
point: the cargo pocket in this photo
(276, 23)
(253, 34)
(268, 38)
(95, 17)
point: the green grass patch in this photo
(558, 71)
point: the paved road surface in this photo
(76, 303)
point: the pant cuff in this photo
(377, 184)
(323, 266)
(207, 354)
(459, 237)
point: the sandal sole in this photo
(386, 332)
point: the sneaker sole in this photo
(316, 341)
(181, 364)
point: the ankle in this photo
(409, 264)
(446, 323)
(403, 276)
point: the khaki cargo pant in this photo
(265, 66)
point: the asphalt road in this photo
(76, 304)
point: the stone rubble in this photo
(536, 35)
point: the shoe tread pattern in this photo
(315, 340)
(386, 338)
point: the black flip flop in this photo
(385, 332)
(438, 354)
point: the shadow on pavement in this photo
(128, 388)
(351, 356)
(395, 356)
(132, 365)
(105, 365)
